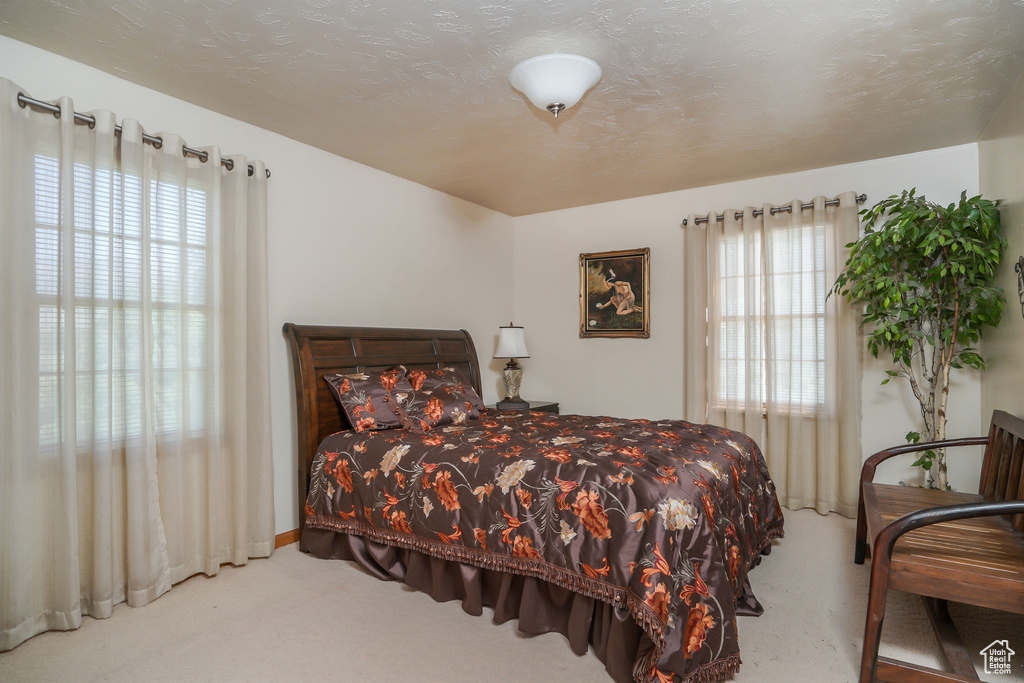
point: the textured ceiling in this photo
(694, 92)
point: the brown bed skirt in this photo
(541, 607)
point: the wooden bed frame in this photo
(323, 350)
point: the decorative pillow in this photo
(440, 397)
(373, 399)
(466, 387)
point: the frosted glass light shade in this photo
(555, 82)
(511, 343)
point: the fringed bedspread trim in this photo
(716, 670)
(642, 613)
(777, 531)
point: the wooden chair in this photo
(944, 545)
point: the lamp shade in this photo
(511, 343)
(555, 82)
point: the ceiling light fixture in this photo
(555, 82)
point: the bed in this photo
(630, 537)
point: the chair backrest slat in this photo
(1002, 470)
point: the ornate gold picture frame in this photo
(615, 294)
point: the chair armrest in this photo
(888, 536)
(867, 472)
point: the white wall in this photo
(643, 377)
(1002, 177)
(348, 245)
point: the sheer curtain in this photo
(767, 352)
(135, 410)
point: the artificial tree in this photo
(924, 274)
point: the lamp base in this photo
(513, 375)
(512, 404)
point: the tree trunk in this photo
(940, 418)
(940, 423)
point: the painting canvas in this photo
(615, 294)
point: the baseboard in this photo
(287, 538)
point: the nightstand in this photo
(536, 406)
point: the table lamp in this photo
(512, 345)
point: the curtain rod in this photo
(861, 198)
(24, 100)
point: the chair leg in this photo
(877, 594)
(872, 637)
(860, 552)
(861, 548)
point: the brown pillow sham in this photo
(440, 397)
(373, 399)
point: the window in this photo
(796, 292)
(740, 321)
(124, 272)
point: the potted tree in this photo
(924, 274)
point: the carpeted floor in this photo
(293, 617)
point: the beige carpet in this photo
(292, 617)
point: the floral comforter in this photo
(661, 518)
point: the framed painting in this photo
(615, 294)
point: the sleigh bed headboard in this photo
(322, 350)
